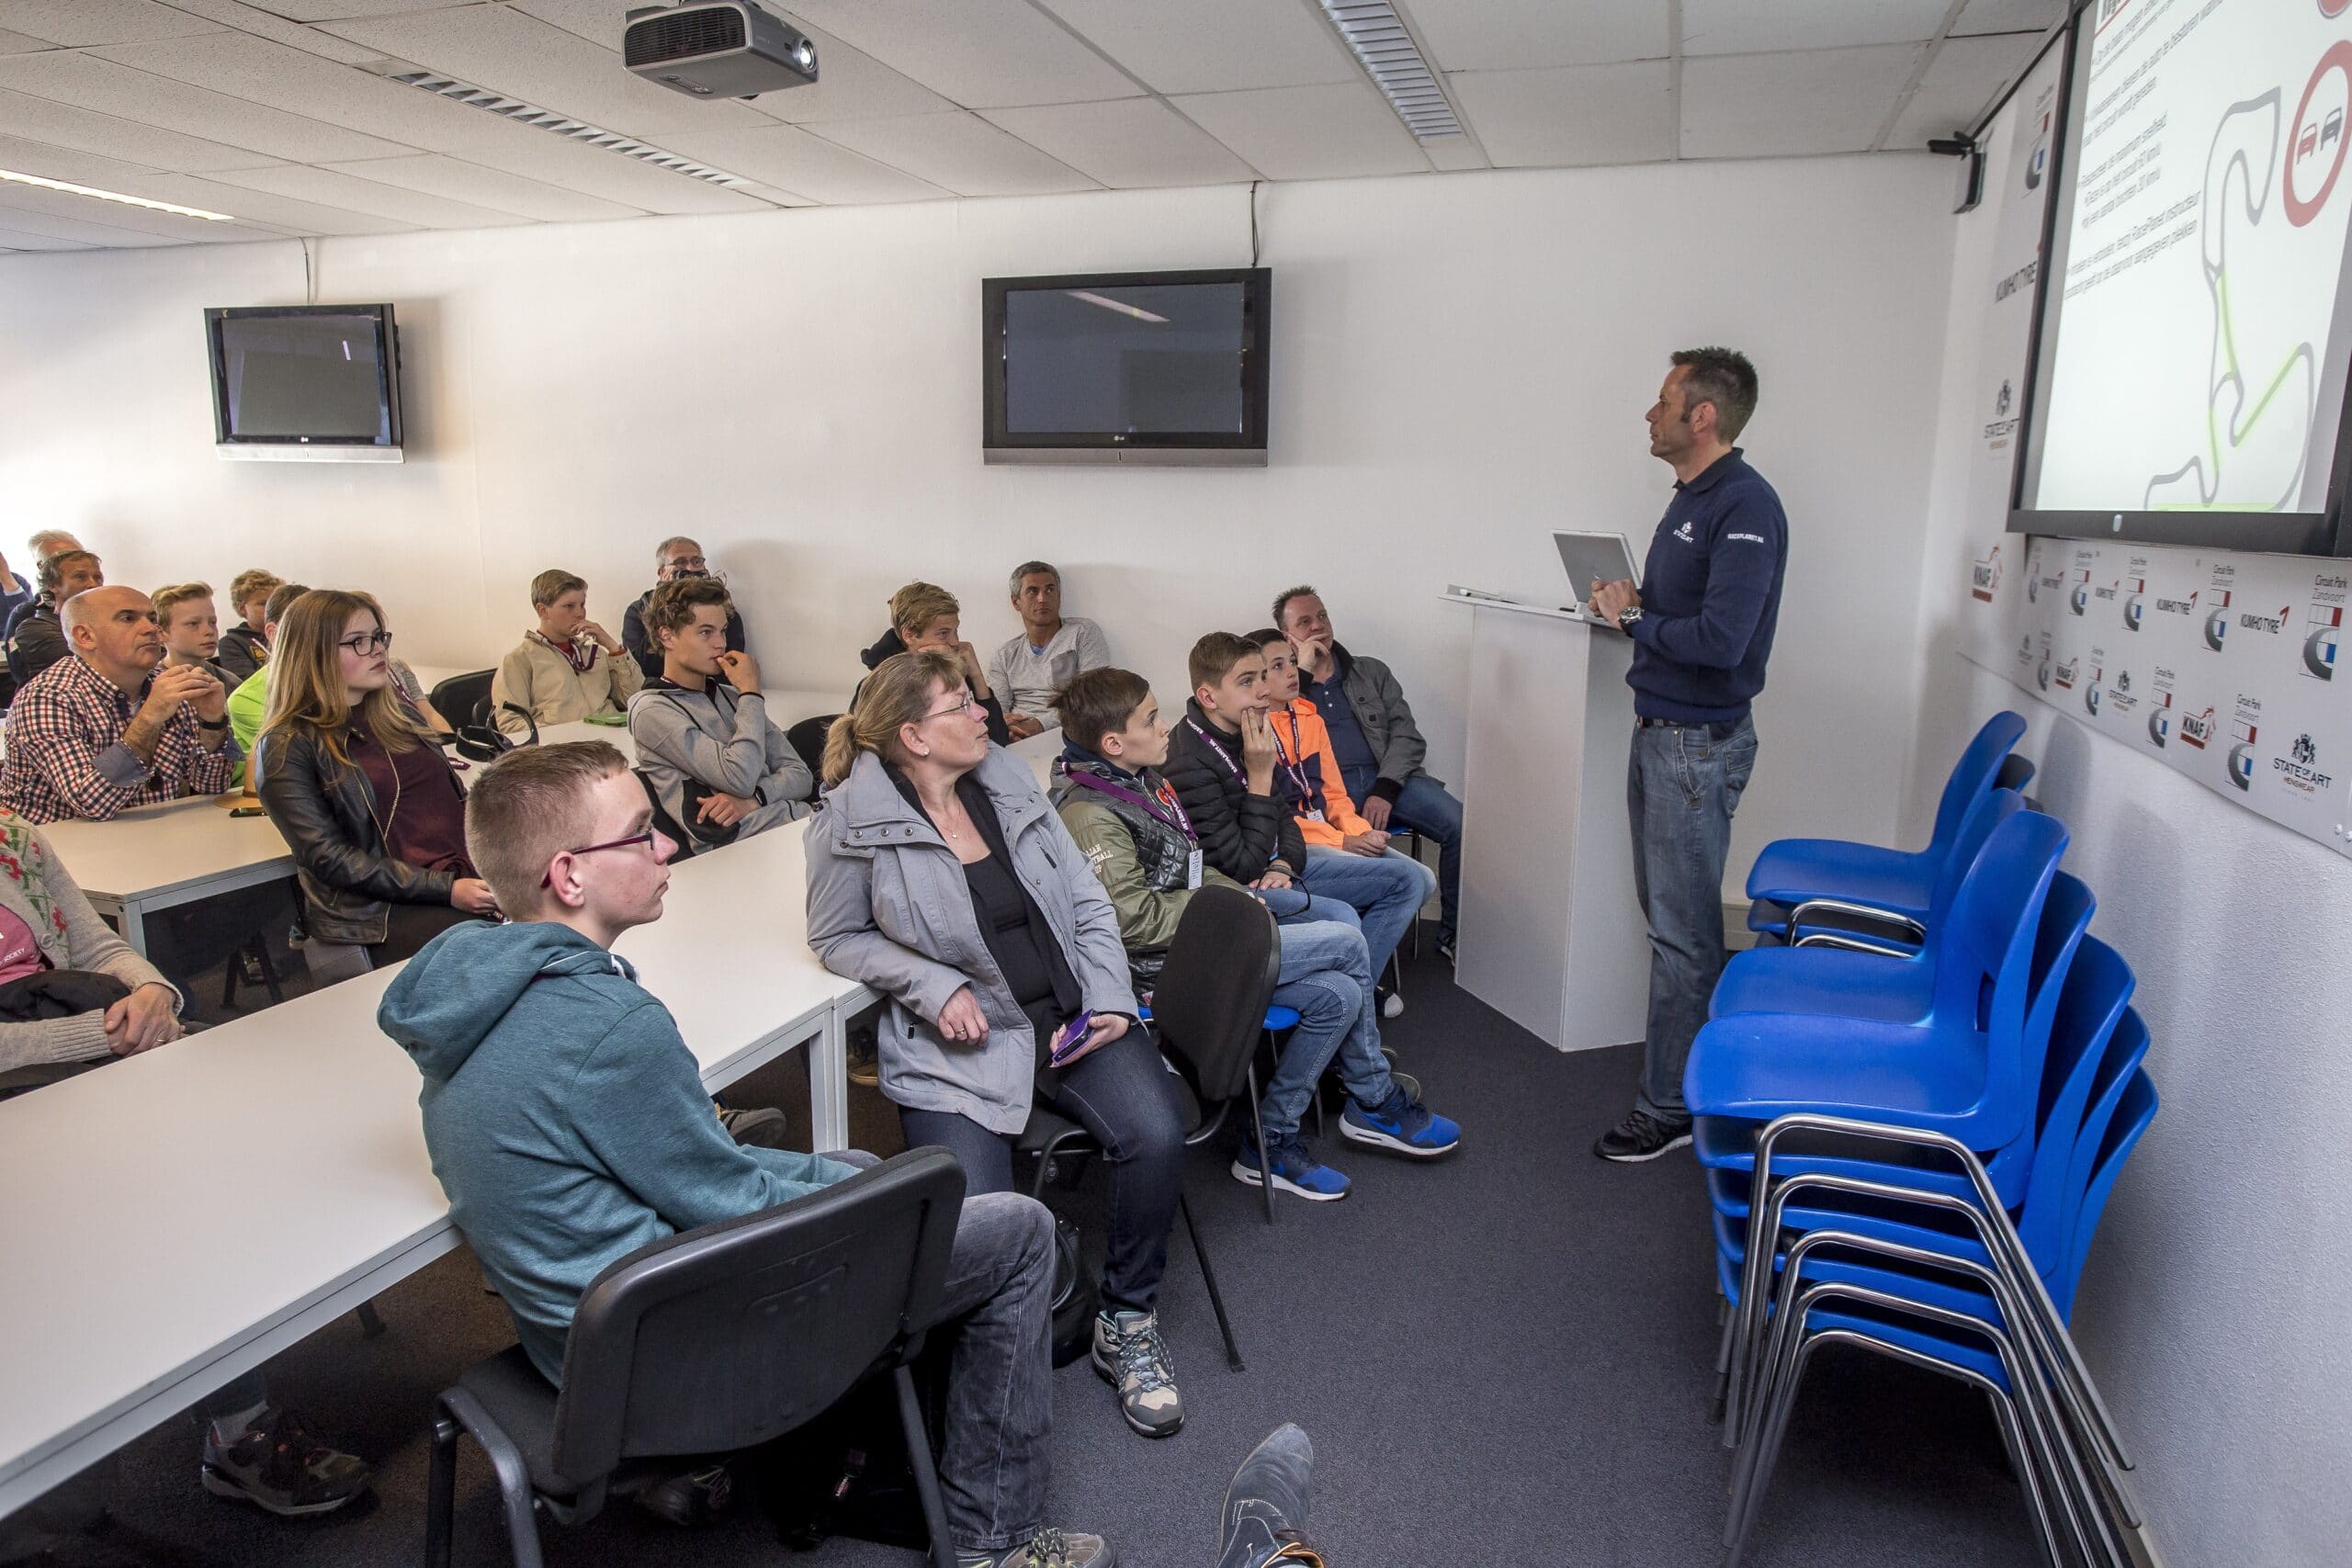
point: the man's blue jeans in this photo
(1428, 808)
(1327, 977)
(1386, 891)
(1682, 783)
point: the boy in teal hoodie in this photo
(569, 1126)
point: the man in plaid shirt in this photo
(107, 729)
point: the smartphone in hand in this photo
(1072, 1035)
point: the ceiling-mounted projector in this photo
(716, 49)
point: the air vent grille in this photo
(548, 120)
(683, 35)
(1377, 35)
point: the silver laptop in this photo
(1595, 557)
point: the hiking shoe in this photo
(275, 1464)
(1640, 1136)
(1049, 1548)
(1391, 1004)
(1294, 1170)
(1265, 1505)
(1401, 1124)
(1445, 949)
(690, 1498)
(1133, 1358)
(758, 1127)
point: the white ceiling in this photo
(279, 112)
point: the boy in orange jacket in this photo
(1346, 857)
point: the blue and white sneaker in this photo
(1295, 1171)
(1402, 1125)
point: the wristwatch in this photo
(212, 724)
(1627, 617)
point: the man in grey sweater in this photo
(719, 765)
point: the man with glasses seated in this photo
(673, 558)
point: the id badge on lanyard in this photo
(1192, 869)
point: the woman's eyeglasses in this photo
(645, 838)
(364, 643)
(965, 704)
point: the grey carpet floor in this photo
(1503, 1357)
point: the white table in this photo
(580, 729)
(155, 857)
(143, 1271)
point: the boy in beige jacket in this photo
(567, 669)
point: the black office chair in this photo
(807, 739)
(664, 824)
(464, 699)
(717, 1339)
(1208, 1008)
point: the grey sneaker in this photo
(756, 1127)
(1265, 1505)
(1129, 1354)
(1049, 1548)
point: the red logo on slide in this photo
(2315, 151)
(2333, 8)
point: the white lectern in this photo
(1551, 936)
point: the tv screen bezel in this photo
(388, 380)
(2257, 533)
(1257, 310)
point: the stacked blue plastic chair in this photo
(1978, 1082)
(1810, 875)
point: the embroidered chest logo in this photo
(1683, 533)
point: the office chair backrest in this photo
(807, 739)
(1985, 963)
(464, 699)
(2135, 1107)
(1973, 774)
(664, 824)
(1989, 810)
(1210, 1000)
(2091, 1002)
(727, 1335)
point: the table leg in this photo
(134, 929)
(829, 1084)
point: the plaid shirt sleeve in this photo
(66, 756)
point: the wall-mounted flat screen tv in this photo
(305, 380)
(1126, 368)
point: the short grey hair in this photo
(53, 539)
(1282, 602)
(1031, 568)
(662, 551)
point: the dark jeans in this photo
(1428, 808)
(1128, 1100)
(1682, 783)
(999, 1299)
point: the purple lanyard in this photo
(1167, 797)
(1311, 799)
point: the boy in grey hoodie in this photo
(568, 1126)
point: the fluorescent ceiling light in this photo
(72, 189)
(1137, 312)
(1378, 36)
(564, 126)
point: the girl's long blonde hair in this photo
(899, 692)
(306, 689)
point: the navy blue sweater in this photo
(1710, 597)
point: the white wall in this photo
(1461, 364)
(2213, 1306)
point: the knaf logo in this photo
(2299, 770)
(2064, 676)
(2197, 728)
(1984, 579)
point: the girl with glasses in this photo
(349, 773)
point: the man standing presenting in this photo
(1029, 673)
(1702, 625)
(675, 557)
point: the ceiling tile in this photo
(62, 125)
(2008, 16)
(1126, 143)
(330, 188)
(433, 174)
(21, 43)
(1214, 45)
(1745, 27)
(295, 217)
(1571, 115)
(850, 83)
(980, 54)
(1451, 152)
(338, 10)
(1962, 77)
(499, 47)
(79, 23)
(252, 19)
(89, 81)
(793, 160)
(1764, 106)
(38, 221)
(1502, 35)
(22, 240)
(956, 151)
(51, 161)
(1309, 133)
(89, 211)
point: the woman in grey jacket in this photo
(940, 876)
(719, 765)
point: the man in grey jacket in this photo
(1379, 746)
(719, 766)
